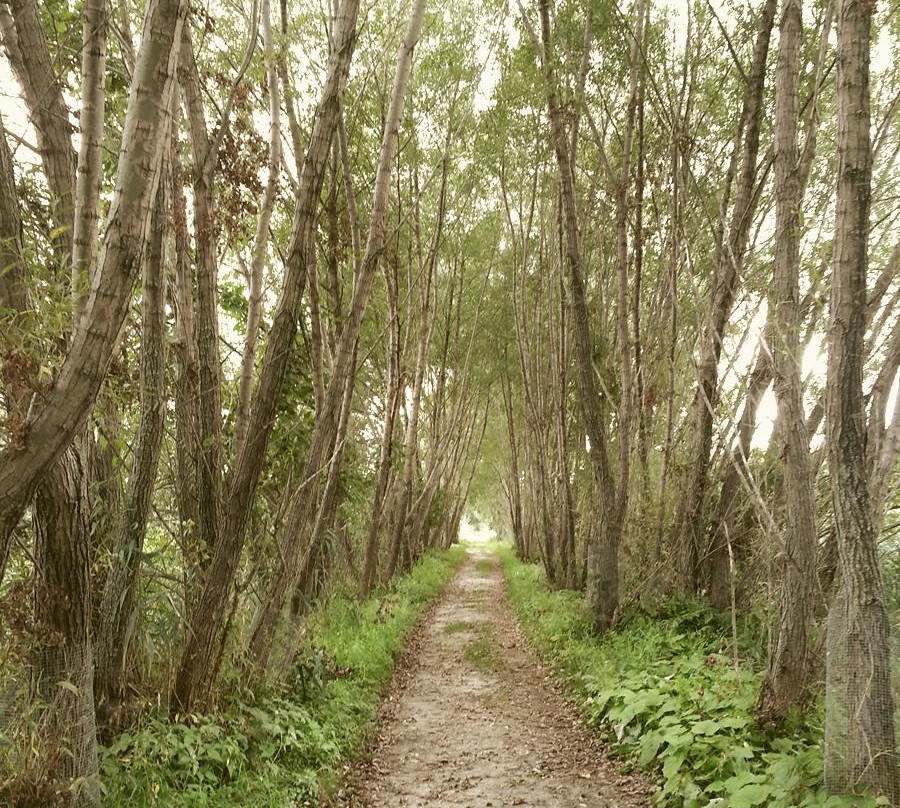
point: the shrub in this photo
(662, 690)
(284, 748)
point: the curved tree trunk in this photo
(209, 611)
(303, 505)
(66, 408)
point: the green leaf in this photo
(708, 727)
(749, 795)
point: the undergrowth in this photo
(480, 651)
(457, 627)
(663, 691)
(286, 748)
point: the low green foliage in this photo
(480, 651)
(663, 691)
(456, 627)
(284, 749)
(485, 566)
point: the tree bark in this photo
(62, 608)
(117, 611)
(56, 424)
(788, 663)
(859, 731)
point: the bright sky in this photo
(475, 535)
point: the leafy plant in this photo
(285, 747)
(663, 692)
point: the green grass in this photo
(485, 566)
(286, 749)
(662, 690)
(457, 627)
(480, 652)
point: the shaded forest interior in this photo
(293, 294)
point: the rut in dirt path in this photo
(477, 723)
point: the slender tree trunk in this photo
(410, 440)
(304, 500)
(187, 382)
(727, 260)
(515, 486)
(29, 54)
(210, 608)
(261, 237)
(316, 549)
(789, 658)
(117, 610)
(603, 567)
(206, 323)
(860, 746)
(391, 405)
(90, 166)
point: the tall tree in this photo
(304, 500)
(860, 745)
(730, 248)
(789, 658)
(209, 614)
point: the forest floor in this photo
(473, 719)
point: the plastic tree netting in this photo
(48, 726)
(859, 720)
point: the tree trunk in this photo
(727, 260)
(261, 237)
(90, 165)
(206, 322)
(62, 607)
(304, 500)
(64, 412)
(117, 611)
(18, 367)
(391, 405)
(29, 55)
(209, 612)
(859, 728)
(602, 553)
(187, 382)
(788, 662)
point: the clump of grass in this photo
(480, 652)
(485, 566)
(457, 627)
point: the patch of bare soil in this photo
(473, 719)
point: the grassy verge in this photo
(663, 691)
(285, 749)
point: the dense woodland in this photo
(287, 291)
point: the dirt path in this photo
(474, 721)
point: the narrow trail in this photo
(474, 721)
